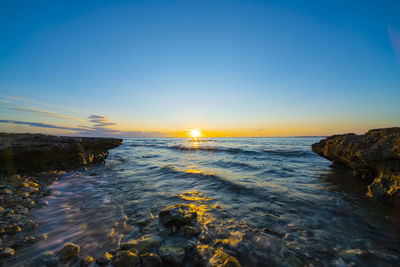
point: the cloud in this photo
(12, 106)
(95, 130)
(42, 112)
(100, 121)
(42, 125)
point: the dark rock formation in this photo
(38, 152)
(374, 156)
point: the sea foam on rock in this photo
(374, 156)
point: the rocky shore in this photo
(374, 156)
(28, 164)
(27, 153)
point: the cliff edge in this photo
(374, 156)
(21, 153)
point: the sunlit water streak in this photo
(240, 185)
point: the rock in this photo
(104, 259)
(47, 259)
(294, 261)
(69, 251)
(221, 259)
(38, 152)
(205, 238)
(143, 244)
(273, 232)
(87, 261)
(189, 230)
(202, 253)
(374, 156)
(150, 260)
(174, 256)
(126, 259)
(178, 215)
(7, 252)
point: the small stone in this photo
(150, 260)
(104, 259)
(221, 259)
(125, 259)
(86, 261)
(294, 261)
(142, 244)
(205, 238)
(189, 230)
(7, 252)
(178, 215)
(48, 259)
(69, 251)
(173, 255)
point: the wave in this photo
(286, 153)
(215, 149)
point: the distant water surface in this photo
(274, 200)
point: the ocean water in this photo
(266, 201)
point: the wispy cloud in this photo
(42, 112)
(100, 127)
(42, 125)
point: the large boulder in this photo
(374, 156)
(39, 152)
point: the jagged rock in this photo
(174, 256)
(126, 259)
(68, 252)
(374, 156)
(178, 215)
(38, 152)
(221, 259)
(150, 260)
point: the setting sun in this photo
(195, 133)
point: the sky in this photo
(228, 68)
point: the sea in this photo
(265, 201)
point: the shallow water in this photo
(240, 187)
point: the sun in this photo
(195, 133)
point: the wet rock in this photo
(205, 238)
(189, 230)
(273, 232)
(47, 259)
(178, 215)
(294, 261)
(202, 253)
(173, 255)
(126, 259)
(222, 259)
(69, 251)
(374, 156)
(143, 244)
(104, 259)
(150, 260)
(7, 252)
(87, 261)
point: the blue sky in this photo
(231, 68)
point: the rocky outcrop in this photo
(38, 152)
(374, 156)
